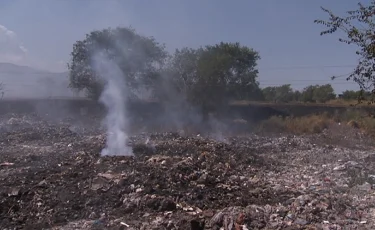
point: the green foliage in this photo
(140, 58)
(213, 75)
(312, 93)
(318, 93)
(351, 95)
(297, 95)
(283, 93)
(359, 29)
(307, 94)
(269, 93)
(359, 95)
(182, 72)
(206, 77)
(323, 93)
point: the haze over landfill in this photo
(193, 115)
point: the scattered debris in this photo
(57, 180)
(6, 164)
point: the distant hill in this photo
(12, 68)
(27, 82)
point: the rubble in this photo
(57, 180)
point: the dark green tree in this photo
(358, 29)
(351, 95)
(323, 93)
(307, 94)
(138, 57)
(297, 95)
(269, 93)
(318, 93)
(213, 75)
(283, 93)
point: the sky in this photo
(41, 33)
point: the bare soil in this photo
(53, 177)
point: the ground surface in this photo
(52, 177)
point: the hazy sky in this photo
(40, 33)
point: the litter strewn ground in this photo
(52, 177)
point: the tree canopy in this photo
(283, 93)
(215, 74)
(318, 93)
(138, 57)
(359, 29)
(311, 93)
(206, 77)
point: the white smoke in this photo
(114, 97)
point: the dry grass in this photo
(317, 123)
(342, 102)
(360, 120)
(331, 103)
(297, 125)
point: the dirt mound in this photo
(52, 177)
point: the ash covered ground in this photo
(52, 177)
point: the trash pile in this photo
(52, 177)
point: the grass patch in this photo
(296, 125)
(344, 102)
(318, 122)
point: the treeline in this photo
(310, 94)
(205, 78)
(357, 95)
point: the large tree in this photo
(213, 75)
(358, 28)
(323, 93)
(139, 58)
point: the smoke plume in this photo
(114, 97)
